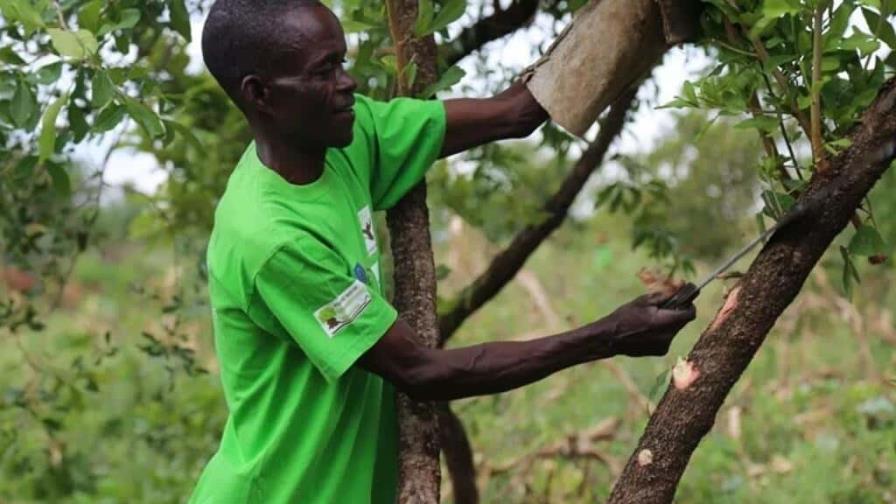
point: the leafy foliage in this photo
(128, 367)
(802, 71)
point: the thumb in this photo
(677, 316)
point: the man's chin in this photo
(343, 140)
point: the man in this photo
(309, 348)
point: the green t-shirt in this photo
(294, 281)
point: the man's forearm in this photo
(495, 367)
(514, 113)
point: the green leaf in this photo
(75, 45)
(24, 12)
(61, 182)
(128, 18)
(180, 19)
(24, 169)
(767, 124)
(103, 89)
(48, 74)
(867, 242)
(89, 15)
(23, 105)
(145, 117)
(77, 121)
(451, 11)
(850, 273)
(108, 118)
(8, 56)
(424, 18)
(47, 140)
(864, 43)
(772, 10)
(837, 146)
(354, 26)
(186, 132)
(883, 29)
(451, 77)
(411, 72)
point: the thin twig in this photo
(91, 221)
(815, 92)
(796, 164)
(62, 22)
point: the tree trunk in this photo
(688, 409)
(415, 277)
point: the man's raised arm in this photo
(471, 122)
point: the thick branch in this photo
(688, 409)
(508, 262)
(502, 22)
(415, 279)
(458, 456)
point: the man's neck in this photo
(292, 162)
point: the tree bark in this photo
(415, 277)
(458, 456)
(617, 41)
(454, 439)
(508, 262)
(688, 409)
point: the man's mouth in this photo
(347, 110)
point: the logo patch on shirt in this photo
(365, 219)
(343, 310)
(361, 273)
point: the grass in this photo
(813, 419)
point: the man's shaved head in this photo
(282, 63)
(243, 37)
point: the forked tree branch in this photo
(508, 262)
(689, 407)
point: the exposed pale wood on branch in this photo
(774, 279)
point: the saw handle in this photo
(684, 297)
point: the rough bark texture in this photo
(608, 46)
(686, 413)
(459, 457)
(506, 264)
(681, 19)
(415, 278)
(487, 29)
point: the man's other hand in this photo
(641, 327)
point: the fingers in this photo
(678, 316)
(652, 299)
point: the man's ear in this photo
(254, 92)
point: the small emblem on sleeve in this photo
(343, 310)
(361, 274)
(365, 220)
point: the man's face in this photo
(309, 95)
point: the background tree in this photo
(117, 76)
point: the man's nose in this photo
(346, 82)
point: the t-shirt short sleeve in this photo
(332, 316)
(405, 136)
